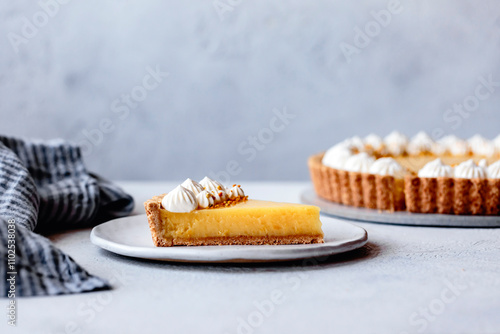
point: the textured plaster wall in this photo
(169, 89)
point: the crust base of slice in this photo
(241, 240)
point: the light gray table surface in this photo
(405, 280)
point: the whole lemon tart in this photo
(207, 213)
(447, 176)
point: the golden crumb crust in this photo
(453, 195)
(153, 207)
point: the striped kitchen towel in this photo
(45, 186)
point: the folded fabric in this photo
(45, 186)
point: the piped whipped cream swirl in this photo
(469, 170)
(388, 166)
(459, 147)
(337, 155)
(216, 188)
(180, 200)
(481, 146)
(451, 144)
(360, 162)
(493, 170)
(205, 199)
(355, 143)
(374, 142)
(204, 195)
(235, 192)
(192, 185)
(436, 168)
(420, 143)
(496, 142)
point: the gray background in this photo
(228, 72)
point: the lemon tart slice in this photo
(207, 213)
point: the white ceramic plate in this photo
(130, 236)
(398, 217)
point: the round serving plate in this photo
(399, 217)
(130, 236)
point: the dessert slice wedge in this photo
(234, 221)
